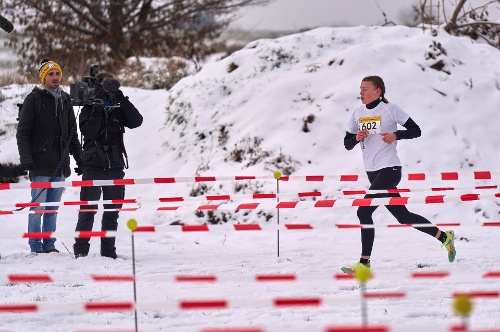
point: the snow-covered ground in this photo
(281, 105)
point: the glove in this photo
(20, 171)
(111, 84)
(78, 170)
(98, 106)
(116, 96)
(27, 166)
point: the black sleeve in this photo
(25, 129)
(130, 115)
(350, 141)
(90, 121)
(412, 130)
(7, 172)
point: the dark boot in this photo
(108, 248)
(81, 248)
(109, 254)
(109, 223)
(84, 224)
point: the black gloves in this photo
(116, 96)
(20, 171)
(111, 84)
(78, 170)
(98, 107)
(27, 166)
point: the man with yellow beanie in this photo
(54, 69)
(46, 136)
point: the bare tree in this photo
(427, 14)
(464, 21)
(474, 22)
(386, 22)
(79, 32)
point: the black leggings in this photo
(387, 178)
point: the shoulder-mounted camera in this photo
(86, 91)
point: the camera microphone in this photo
(110, 84)
(5, 24)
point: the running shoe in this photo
(352, 269)
(449, 244)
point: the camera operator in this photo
(102, 125)
(46, 135)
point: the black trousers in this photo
(387, 178)
(109, 219)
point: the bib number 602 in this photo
(371, 123)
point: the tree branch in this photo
(452, 24)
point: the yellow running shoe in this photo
(352, 269)
(449, 244)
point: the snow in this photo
(257, 113)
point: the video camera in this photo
(85, 92)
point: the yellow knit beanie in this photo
(46, 66)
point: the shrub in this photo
(155, 73)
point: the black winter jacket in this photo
(102, 130)
(42, 137)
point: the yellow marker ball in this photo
(363, 274)
(277, 175)
(132, 224)
(463, 305)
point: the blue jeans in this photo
(49, 219)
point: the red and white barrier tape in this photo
(120, 330)
(224, 228)
(222, 303)
(48, 211)
(443, 176)
(330, 203)
(328, 328)
(127, 182)
(326, 203)
(226, 197)
(294, 227)
(67, 307)
(354, 328)
(257, 278)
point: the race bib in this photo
(370, 123)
